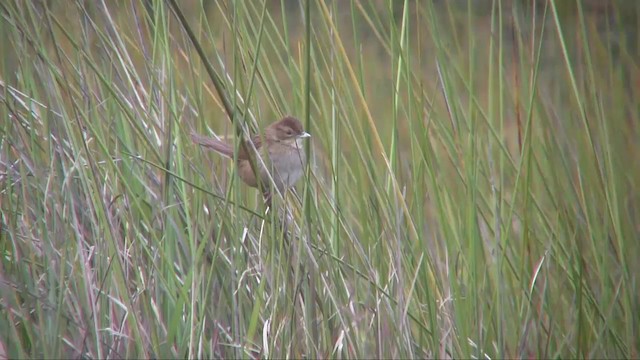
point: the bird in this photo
(280, 150)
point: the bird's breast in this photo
(287, 165)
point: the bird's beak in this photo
(304, 135)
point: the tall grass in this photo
(473, 185)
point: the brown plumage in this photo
(283, 154)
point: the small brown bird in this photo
(281, 152)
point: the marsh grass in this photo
(472, 188)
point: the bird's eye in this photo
(289, 132)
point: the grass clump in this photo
(472, 188)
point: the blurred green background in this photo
(472, 190)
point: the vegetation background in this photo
(473, 189)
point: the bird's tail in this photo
(218, 146)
